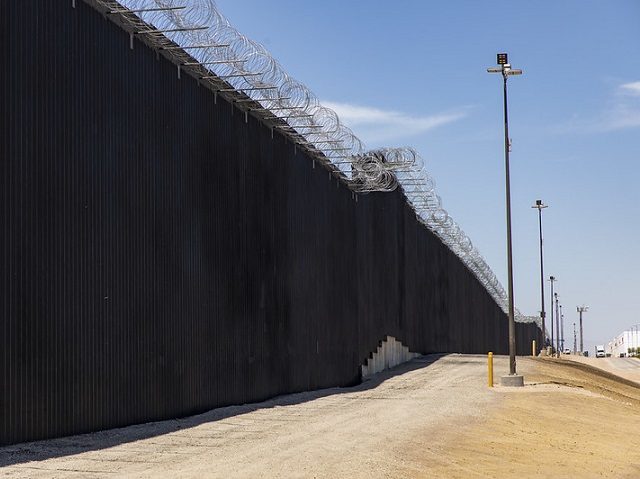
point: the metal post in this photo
(506, 71)
(557, 328)
(581, 337)
(581, 309)
(575, 339)
(539, 205)
(490, 369)
(512, 324)
(552, 279)
(561, 329)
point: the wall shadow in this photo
(71, 445)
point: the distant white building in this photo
(620, 345)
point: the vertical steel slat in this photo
(212, 264)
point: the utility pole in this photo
(575, 339)
(552, 279)
(540, 206)
(557, 328)
(561, 329)
(582, 309)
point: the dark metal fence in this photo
(160, 256)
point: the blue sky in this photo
(414, 73)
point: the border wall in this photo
(161, 257)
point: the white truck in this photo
(600, 351)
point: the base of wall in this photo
(389, 353)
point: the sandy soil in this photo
(431, 418)
(628, 368)
(570, 421)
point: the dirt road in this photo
(628, 368)
(431, 418)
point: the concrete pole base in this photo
(512, 380)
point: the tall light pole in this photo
(582, 309)
(561, 330)
(557, 327)
(505, 69)
(540, 206)
(552, 279)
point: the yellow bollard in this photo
(490, 364)
(533, 348)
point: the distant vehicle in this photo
(600, 351)
(566, 351)
(623, 355)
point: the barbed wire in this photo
(197, 37)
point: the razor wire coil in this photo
(197, 37)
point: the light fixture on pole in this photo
(505, 69)
(581, 309)
(540, 206)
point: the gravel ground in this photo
(353, 432)
(431, 418)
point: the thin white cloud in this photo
(625, 108)
(632, 88)
(621, 111)
(375, 126)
